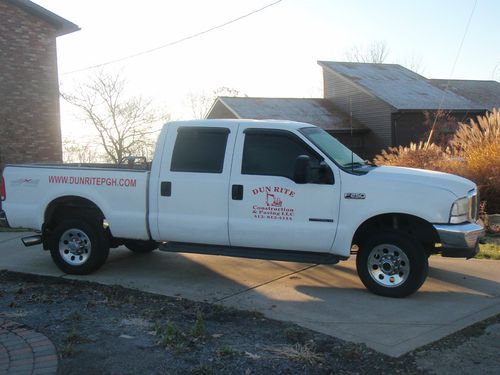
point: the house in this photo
(29, 88)
(386, 104)
(320, 112)
(391, 101)
(486, 93)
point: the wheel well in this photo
(70, 206)
(417, 227)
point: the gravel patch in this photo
(475, 355)
(100, 329)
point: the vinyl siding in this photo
(367, 109)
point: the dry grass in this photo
(417, 155)
(474, 136)
(300, 353)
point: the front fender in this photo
(380, 197)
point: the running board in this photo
(252, 253)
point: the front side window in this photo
(274, 154)
(199, 149)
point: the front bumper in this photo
(459, 240)
(3, 220)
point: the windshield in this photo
(335, 150)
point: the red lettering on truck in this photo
(93, 181)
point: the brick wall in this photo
(29, 90)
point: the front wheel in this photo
(79, 246)
(392, 264)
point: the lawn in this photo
(491, 249)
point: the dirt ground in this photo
(101, 329)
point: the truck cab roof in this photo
(275, 124)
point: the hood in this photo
(457, 185)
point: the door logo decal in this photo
(273, 203)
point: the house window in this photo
(199, 149)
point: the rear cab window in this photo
(199, 150)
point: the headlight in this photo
(459, 211)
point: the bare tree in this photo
(80, 152)
(375, 52)
(123, 124)
(202, 102)
(414, 63)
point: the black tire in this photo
(392, 264)
(142, 247)
(87, 246)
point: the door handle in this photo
(237, 192)
(166, 189)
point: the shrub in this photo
(417, 155)
(479, 145)
(474, 153)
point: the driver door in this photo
(267, 209)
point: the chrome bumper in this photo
(3, 220)
(459, 240)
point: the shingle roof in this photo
(485, 93)
(399, 87)
(62, 25)
(320, 112)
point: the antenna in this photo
(350, 125)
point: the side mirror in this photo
(302, 170)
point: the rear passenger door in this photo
(194, 184)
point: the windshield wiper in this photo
(353, 164)
(357, 164)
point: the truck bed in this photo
(119, 192)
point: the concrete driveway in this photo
(328, 299)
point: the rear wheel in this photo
(392, 264)
(79, 246)
(138, 246)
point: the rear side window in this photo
(274, 153)
(199, 149)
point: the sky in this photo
(272, 53)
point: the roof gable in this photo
(399, 87)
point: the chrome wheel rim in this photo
(388, 265)
(75, 247)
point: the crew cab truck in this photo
(258, 189)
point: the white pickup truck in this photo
(258, 189)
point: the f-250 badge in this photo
(354, 195)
